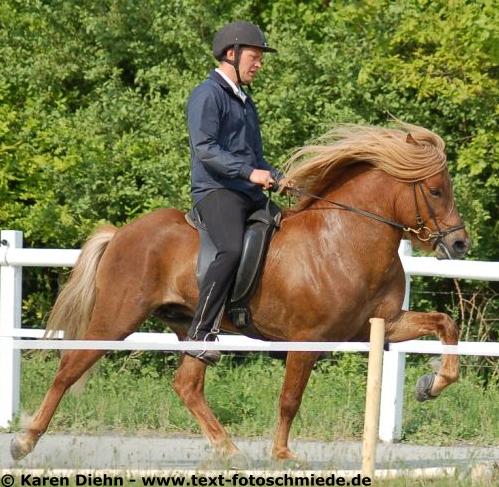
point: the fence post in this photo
(373, 394)
(10, 318)
(392, 390)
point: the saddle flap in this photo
(254, 247)
(261, 226)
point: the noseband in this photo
(421, 231)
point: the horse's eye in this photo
(435, 192)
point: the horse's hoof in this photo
(238, 461)
(423, 387)
(290, 464)
(19, 449)
(295, 464)
(225, 461)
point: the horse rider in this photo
(229, 171)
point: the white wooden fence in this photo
(13, 257)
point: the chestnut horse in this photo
(328, 270)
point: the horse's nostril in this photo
(460, 246)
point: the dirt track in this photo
(117, 452)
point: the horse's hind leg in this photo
(411, 325)
(298, 368)
(189, 385)
(74, 363)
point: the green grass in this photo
(127, 396)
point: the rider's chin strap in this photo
(235, 63)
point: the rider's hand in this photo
(263, 178)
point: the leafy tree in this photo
(92, 100)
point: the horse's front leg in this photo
(298, 368)
(189, 385)
(411, 325)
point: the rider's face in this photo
(250, 62)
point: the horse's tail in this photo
(73, 308)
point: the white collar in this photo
(237, 90)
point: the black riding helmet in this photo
(238, 34)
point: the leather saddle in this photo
(260, 227)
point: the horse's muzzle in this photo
(452, 247)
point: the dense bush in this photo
(92, 100)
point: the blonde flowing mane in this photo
(408, 153)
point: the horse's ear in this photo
(411, 140)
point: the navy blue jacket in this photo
(225, 141)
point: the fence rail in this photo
(14, 338)
(237, 343)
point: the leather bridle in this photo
(421, 230)
(424, 233)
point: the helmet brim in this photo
(263, 48)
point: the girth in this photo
(260, 226)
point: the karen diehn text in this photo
(233, 479)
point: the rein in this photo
(421, 231)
